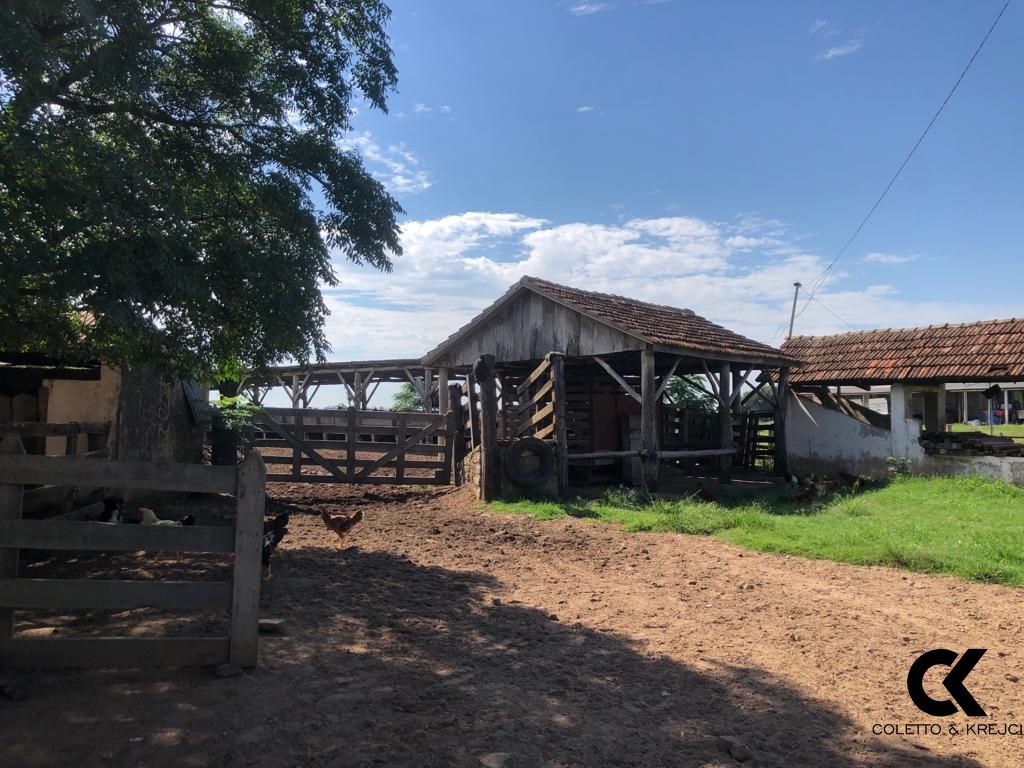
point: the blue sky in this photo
(703, 155)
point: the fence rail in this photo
(371, 447)
(241, 595)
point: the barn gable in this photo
(525, 325)
(536, 317)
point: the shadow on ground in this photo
(393, 663)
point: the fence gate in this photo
(241, 595)
(352, 446)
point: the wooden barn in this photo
(587, 372)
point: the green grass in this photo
(965, 526)
(1016, 431)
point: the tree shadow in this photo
(389, 662)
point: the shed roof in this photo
(682, 330)
(991, 350)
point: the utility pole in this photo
(792, 315)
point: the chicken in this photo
(273, 532)
(148, 517)
(113, 510)
(341, 524)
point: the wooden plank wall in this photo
(531, 326)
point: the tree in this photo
(685, 392)
(406, 399)
(173, 175)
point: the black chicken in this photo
(273, 532)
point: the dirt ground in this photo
(448, 636)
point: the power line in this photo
(821, 278)
(837, 317)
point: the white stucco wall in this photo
(823, 442)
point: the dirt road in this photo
(446, 636)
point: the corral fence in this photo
(241, 595)
(86, 439)
(353, 446)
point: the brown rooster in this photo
(342, 524)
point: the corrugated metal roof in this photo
(991, 350)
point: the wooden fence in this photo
(352, 446)
(71, 432)
(241, 595)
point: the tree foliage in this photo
(406, 399)
(173, 176)
(685, 392)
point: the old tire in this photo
(519, 466)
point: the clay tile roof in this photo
(658, 324)
(990, 350)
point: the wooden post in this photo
(781, 459)
(451, 429)
(400, 440)
(248, 576)
(300, 436)
(358, 391)
(725, 418)
(474, 410)
(557, 361)
(10, 509)
(648, 419)
(428, 384)
(443, 405)
(350, 444)
(490, 479)
(458, 435)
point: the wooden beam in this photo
(535, 374)
(667, 378)
(782, 406)
(621, 381)
(114, 594)
(536, 418)
(112, 537)
(715, 392)
(248, 571)
(490, 479)
(725, 419)
(145, 475)
(122, 652)
(738, 388)
(648, 420)
(603, 455)
(10, 513)
(696, 453)
(559, 421)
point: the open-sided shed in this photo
(619, 355)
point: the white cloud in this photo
(445, 109)
(876, 257)
(587, 9)
(586, 108)
(739, 274)
(420, 108)
(397, 167)
(845, 49)
(822, 28)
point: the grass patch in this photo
(1016, 431)
(962, 526)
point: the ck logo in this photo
(953, 682)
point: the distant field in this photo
(1016, 431)
(967, 527)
